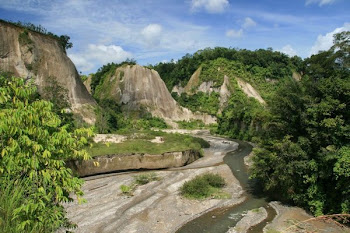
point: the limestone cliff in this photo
(137, 88)
(40, 58)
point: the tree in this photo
(34, 147)
(305, 153)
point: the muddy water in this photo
(221, 219)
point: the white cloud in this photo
(248, 22)
(100, 54)
(152, 34)
(234, 33)
(319, 2)
(211, 6)
(324, 42)
(81, 63)
(288, 49)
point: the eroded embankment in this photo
(117, 162)
(156, 206)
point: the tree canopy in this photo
(305, 150)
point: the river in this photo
(221, 219)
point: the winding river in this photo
(221, 219)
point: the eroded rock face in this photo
(250, 91)
(113, 163)
(137, 88)
(39, 57)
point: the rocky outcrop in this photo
(87, 83)
(138, 89)
(193, 82)
(113, 163)
(41, 58)
(252, 218)
(249, 90)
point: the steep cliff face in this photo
(39, 57)
(138, 88)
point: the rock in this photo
(41, 58)
(113, 163)
(252, 218)
(249, 90)
(140, 89)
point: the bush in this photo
(214, 180)
(145, 178)
(203, 186)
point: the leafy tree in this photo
(34, 148)
(304, 154)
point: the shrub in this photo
(214, 180)
(145, 178)
(203, 186)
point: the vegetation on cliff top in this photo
(63, 39)
(139, 142)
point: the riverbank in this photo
(156, 206)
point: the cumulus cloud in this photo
(234, 33)
(288, 49)
(99, 54)
(211, 6)
(245, 25)
(248, 22)
(324, 42)
(152, 34)
(319, 2)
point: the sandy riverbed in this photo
(157, 206)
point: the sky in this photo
(153, 31)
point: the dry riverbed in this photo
(156, 206)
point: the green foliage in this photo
(203, 186)
(24, 38)
(243, 118)
(105, 71)
(261, 63)
(192, 124)
(84, 77)
(145, 178)
(110, 118)
(12, 196)
(141, 179)
(304, 155)
(126, 190)
(203, 102)
(34, 148)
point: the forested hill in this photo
(198, 81)
(267, 63)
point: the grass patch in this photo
(204, 186)
(126, 189)
(145, 178)
(141, 179)
(139, 143)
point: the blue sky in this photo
(152, 31)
